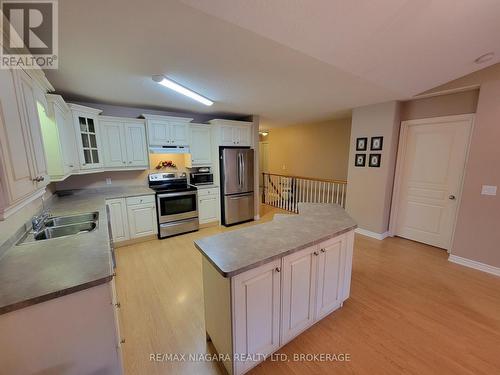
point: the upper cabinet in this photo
(88, 135)
(233, 133)
(167, 130)
(200, 146)
(124, 142)
(23, 175)
(59, 139)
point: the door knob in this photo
(452, 197)
(316, 253)
(278, 269)
(322, 250)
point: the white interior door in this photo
(431, 164)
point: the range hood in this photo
(169, 150)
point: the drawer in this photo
(140, 200)
(208, 192)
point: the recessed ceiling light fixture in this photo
(164, 81)
(484, 58)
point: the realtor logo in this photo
(29, 34)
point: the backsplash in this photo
(122, 178)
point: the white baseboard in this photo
(378, 236)
(474, 264)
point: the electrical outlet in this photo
(108, 180)
(488, 190)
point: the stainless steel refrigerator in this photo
(236, 173)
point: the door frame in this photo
(401, 157)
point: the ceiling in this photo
(287, 61)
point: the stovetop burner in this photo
(169, 182)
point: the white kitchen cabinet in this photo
(59, 138)
(114, 145)
(233, 133)
(260, 310)
(200, 146)
(23, 175)
(167, 130)
(88, 135)
(141, 212)
(208, 205)
(72, 334)
(28, 87)
(132, 217)
(256, 319)
(331, 268)
(298, 292)
(118, 219)
(135, 137)
(124, 142)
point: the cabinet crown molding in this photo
(82, 108)
(57, 100)
(218, 121)
(167, 118)
(122, 119)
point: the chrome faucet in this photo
(38, 221)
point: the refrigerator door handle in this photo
(242, 172)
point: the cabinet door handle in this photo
(278, 269)
(316, 253)
(322, 250)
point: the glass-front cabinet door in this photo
(87, 130)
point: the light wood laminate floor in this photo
(410, 312)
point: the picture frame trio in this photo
(374, 159)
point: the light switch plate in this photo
(489, 190)
(108, 180)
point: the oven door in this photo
(176, 206)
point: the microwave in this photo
(201, 178)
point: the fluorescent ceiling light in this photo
(164, 81)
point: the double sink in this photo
(63, 226)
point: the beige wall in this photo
(477, 233)
(491, 73)
(369, 190)
(318, 150)
(444, 105)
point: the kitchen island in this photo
(265, 284)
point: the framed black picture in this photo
(361, 144)
(374, 160)
(376, 143)
(360, 160)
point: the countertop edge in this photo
(273, 257)
(47, 297)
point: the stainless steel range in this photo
(176, 204)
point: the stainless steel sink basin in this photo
(63, 226)
(64, 230)
(72, 219)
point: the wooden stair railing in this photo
(285, 191)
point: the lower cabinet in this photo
(256, 298)
(72, 334)
(273, 303)
(132, 217)
(118, 219)
(299, 284)
(208, 205)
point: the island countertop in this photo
(39, 271)
(237, 251)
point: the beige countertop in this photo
(237, 251)
(35, 272)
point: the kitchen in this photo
(184, 176)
